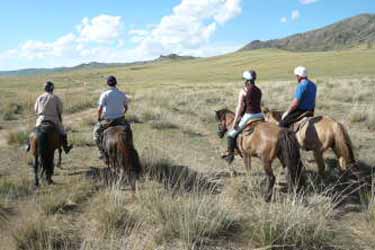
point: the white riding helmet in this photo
(247, 76)
(301, 71)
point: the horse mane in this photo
(220, 114)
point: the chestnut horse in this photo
(318, 134)
(44, 141)
(267, 142)
(120, 154)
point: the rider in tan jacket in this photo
(49, 107)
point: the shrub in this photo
(162, 125)
(37, 234)
(289, 222)
(193, 218)
(17, 137)
(15, 189)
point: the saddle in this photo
(301, 121)
(251, 126)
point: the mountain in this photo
(92, 65)
(351, 32)
(176, 57)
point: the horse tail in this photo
(289, 154)
(343, 145)
(127, 156)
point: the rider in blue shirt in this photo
(304, 99)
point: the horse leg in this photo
(132, 179)
(271, 180)
(320, 161)
(59, 162)
(247, 162)
(36, 174)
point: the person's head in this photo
(49, 87)
(301, 73)
(111, 81)
(249, 76)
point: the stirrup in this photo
(67, 149)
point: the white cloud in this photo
(308, 1)
(188, 30)
(190, 26)
(296, 15)
(100, 29)
(284, 19)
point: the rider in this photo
(248, 109)
(113, 104)
(49, 108)
(303, 104)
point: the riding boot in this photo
(65, 145)
(229, 155)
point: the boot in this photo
(229, 155)
(65, 145)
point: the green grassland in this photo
(188, 198)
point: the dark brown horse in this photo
(318, 134)
(121, 156)
(267, 142)
(44, 141)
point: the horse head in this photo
(225, 118)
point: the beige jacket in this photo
(49, 107)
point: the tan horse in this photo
(267, 142)
(320, 134)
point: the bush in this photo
(192, 218)
(15, 189)
(17, 137)
(37, 234)
(161, 125)
(289, 222)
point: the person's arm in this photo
(126, 103)
(293, 107)
(296, 101)
(102, 103)
(60, 108)
(100, 112)
(239, 109)
(36, 106)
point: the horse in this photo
(120, 154)
(318, 134)
(266, 142)
(44, 141)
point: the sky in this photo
(45, 34)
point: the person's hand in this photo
(284, 115)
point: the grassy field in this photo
(188, 198)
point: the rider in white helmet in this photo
(248, 109)
(304, 99)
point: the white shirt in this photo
(113, 102)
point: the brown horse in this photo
(121, 155)
(319, 134)
(44, 141)
(267, 142)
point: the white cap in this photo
(301, 71)
(247, 75)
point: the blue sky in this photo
(43, 33)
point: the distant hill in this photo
(92, 65)
(352, 32)
(174, 57)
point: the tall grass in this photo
(194, 219)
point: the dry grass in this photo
(194, 219)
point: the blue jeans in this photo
(244, 122)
